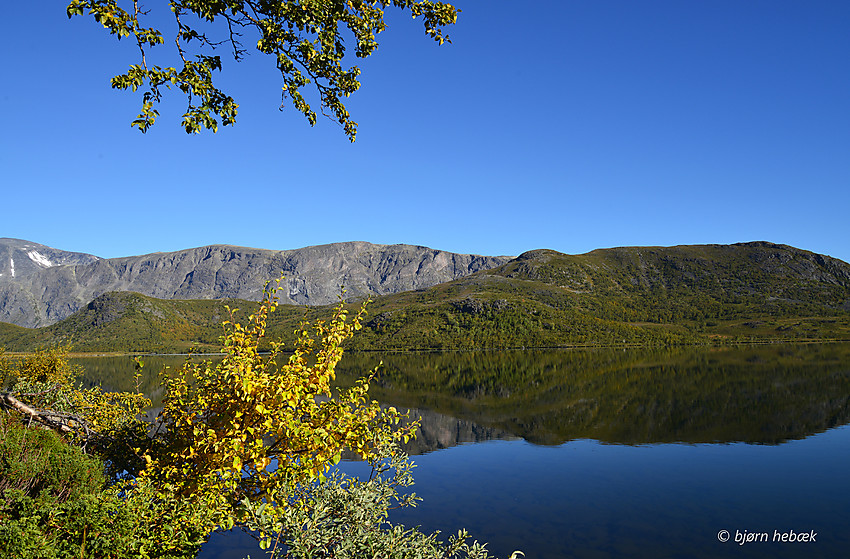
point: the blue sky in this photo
(550, 124)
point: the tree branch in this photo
(64, 423)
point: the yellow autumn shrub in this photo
(253, 427)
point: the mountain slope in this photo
(613, 297)
(657, 284)
(314, 276)
(19, 262)
(19, 258)
(128, 322)
(633, 295)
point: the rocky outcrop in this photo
(313, 275)
(19, 259)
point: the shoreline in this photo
(713, 343)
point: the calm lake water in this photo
(597, 454)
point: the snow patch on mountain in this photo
(40, 259)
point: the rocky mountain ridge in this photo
(19, 258)
(629, 296)
(40, 285)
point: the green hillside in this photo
(631, 296)
(647, 296)
(130, 322)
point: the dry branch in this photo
(63, 423)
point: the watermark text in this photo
(787, 536)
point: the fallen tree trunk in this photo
(63, 423)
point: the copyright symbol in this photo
(723, 535)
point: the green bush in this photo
(53, 499)
(347, 518)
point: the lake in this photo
(603, 453)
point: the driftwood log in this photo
(62, 423)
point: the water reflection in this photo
(583, 499)
(761, 395)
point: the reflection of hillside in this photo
(117, 372)
(438, 431)
(765, 394)
(756, 394)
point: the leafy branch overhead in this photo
(305, 38)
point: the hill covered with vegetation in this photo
(635, 295)
(609, 297)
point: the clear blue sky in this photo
(550, 124)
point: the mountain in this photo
(647, 296)
(20, 263)
(621, 296)
(123, 321)
(19, 259)
(49, 285)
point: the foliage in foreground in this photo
(346, 518)
(247, 442)
(248, 429)
(52, 499)
(305, 40)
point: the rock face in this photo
(19, 259)
(49, 285)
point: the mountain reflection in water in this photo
(627, 497)
(763, 395)
(759, 394)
